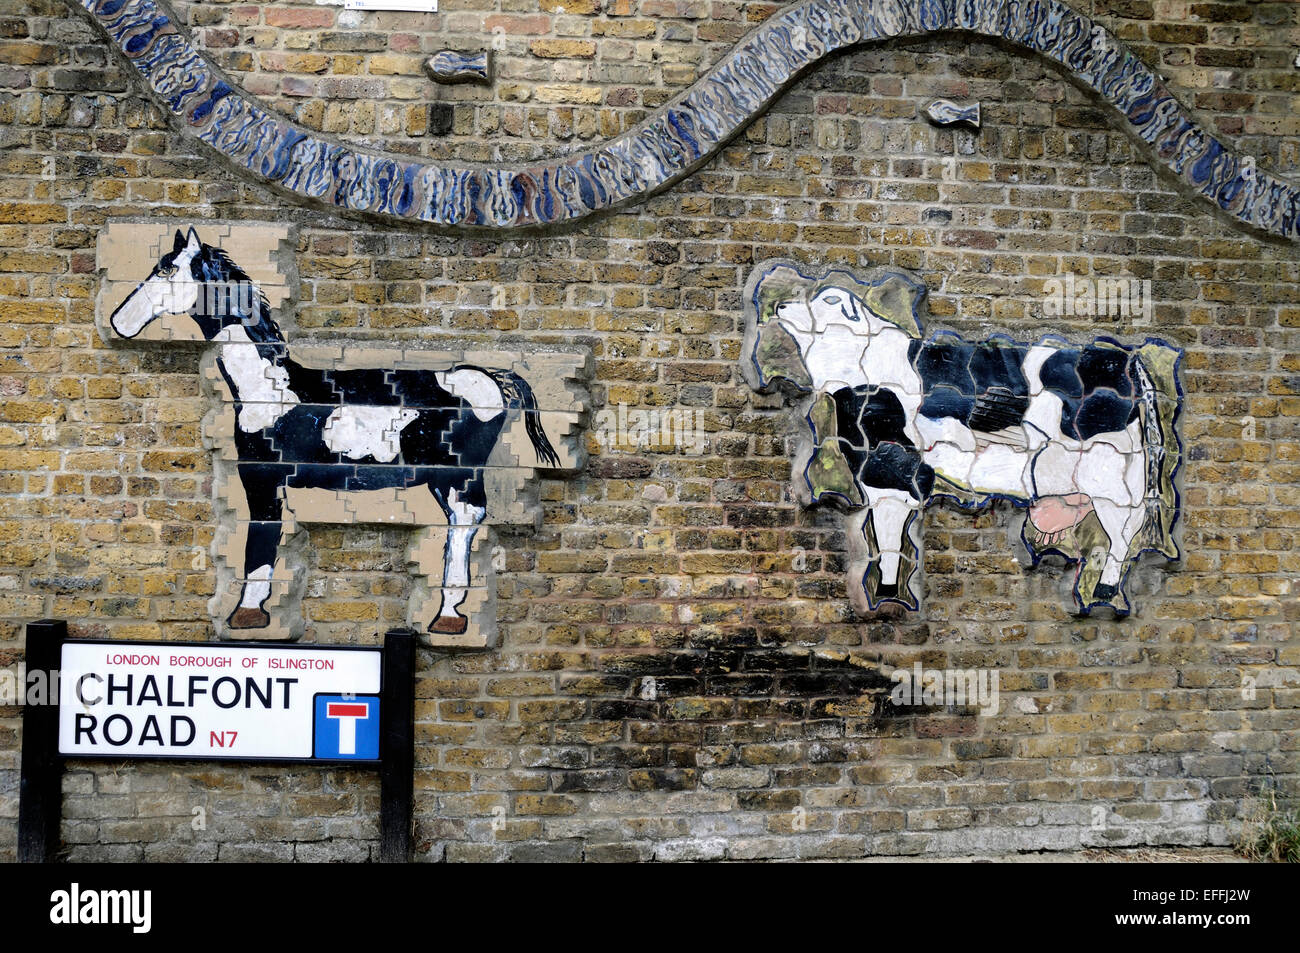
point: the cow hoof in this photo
(449, 624)
(1104, 592)
(887, 591)
(249, 617)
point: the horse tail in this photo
(519, 396)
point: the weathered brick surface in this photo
(679, 675)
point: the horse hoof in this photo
(246, 617)
(1104, 592)
(449, 624)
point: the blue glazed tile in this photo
(944, 112)
(450, 66)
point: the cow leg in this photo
(1116, 482)
(263, 488)
(1122, 525)
(889, 513)
(464, 519)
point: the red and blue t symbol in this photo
(347, 726)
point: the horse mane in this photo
(218, 267)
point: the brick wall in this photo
(672, 682)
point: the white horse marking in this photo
(367, 431)
(476, 388)
(262, 385)
(460, 535)
(257, 588)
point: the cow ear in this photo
(179, 241)
(192, 243)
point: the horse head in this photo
(200, 280)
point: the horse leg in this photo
(263, 486)
(464, 518)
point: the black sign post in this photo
(40, 791)
(397, 747)
(41, 797)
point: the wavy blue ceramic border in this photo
(683, 133)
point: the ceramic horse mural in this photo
(344, 430)
(1081, 436)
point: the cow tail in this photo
(1163, 450)
(519, 396)
(1152, 435)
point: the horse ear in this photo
(192, 243)
(179, 241)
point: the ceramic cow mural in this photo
(1083, 436)
(349, 433)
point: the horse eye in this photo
(168, 271)
(833, 299)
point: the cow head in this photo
(785, 306)
(830, 306)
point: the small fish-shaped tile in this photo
(451, 66)
(944, 112)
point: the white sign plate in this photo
(412, 6)
(182, 700)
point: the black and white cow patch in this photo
(984, 386)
